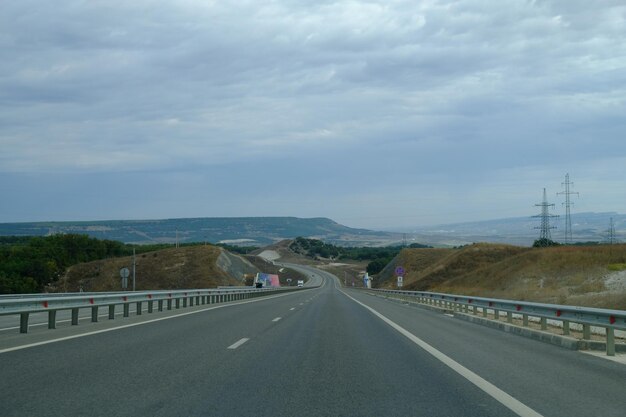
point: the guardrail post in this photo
(112, 312)
(496, 314)
(139, 308)
(94, 314)
(160, 305)
(74, 317)
(484, 311)
(525, 320)
(126, 309)
(586, 332)
(52, 316)
(24, 322)
(150, 306)
(566, 327)
(509, 317)
(610, 341)
(465, 308)
(475, 310)
(203, 299)
(544, 323)
(197, 300)
(190, 301)
(177, 305)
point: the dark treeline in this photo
(28, 264)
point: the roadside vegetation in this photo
(592, 275)
(29, 264)
(378, 257)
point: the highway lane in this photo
(310, 353)
(551, 380)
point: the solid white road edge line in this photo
(277, 318)
(502, 397)
(238, 343)
(76, 336)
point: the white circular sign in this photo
(124, 272)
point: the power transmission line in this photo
(611, 239)
(545, 237)
(567, 204)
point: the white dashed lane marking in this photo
(238, 343)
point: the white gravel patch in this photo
(615, 281)
(269, 255)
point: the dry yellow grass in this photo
(175, 268)
(563, 275)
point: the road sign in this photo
(399, 271)
(124, 273)
(400, 279)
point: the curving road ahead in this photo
(323, 351)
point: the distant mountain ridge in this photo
(252, 231)
(263, 231)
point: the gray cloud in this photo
(388, 91)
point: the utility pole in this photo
(567, 204)
(134, 268)
(545, 216)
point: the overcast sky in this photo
(377, 114)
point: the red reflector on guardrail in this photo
(470, 301)
(612, 319)
(518, 307)
(45, 304)
(125, 298)
(150, 296)
(558, 313)
(91, 301)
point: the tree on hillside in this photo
(544, 243)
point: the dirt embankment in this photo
(578, 275)
(176, 268)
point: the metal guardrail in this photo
(610, 320)
(51, 303)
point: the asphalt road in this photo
(315, 352)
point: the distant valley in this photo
(521, 231)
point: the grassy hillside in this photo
(175, 268)
(588, 275)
